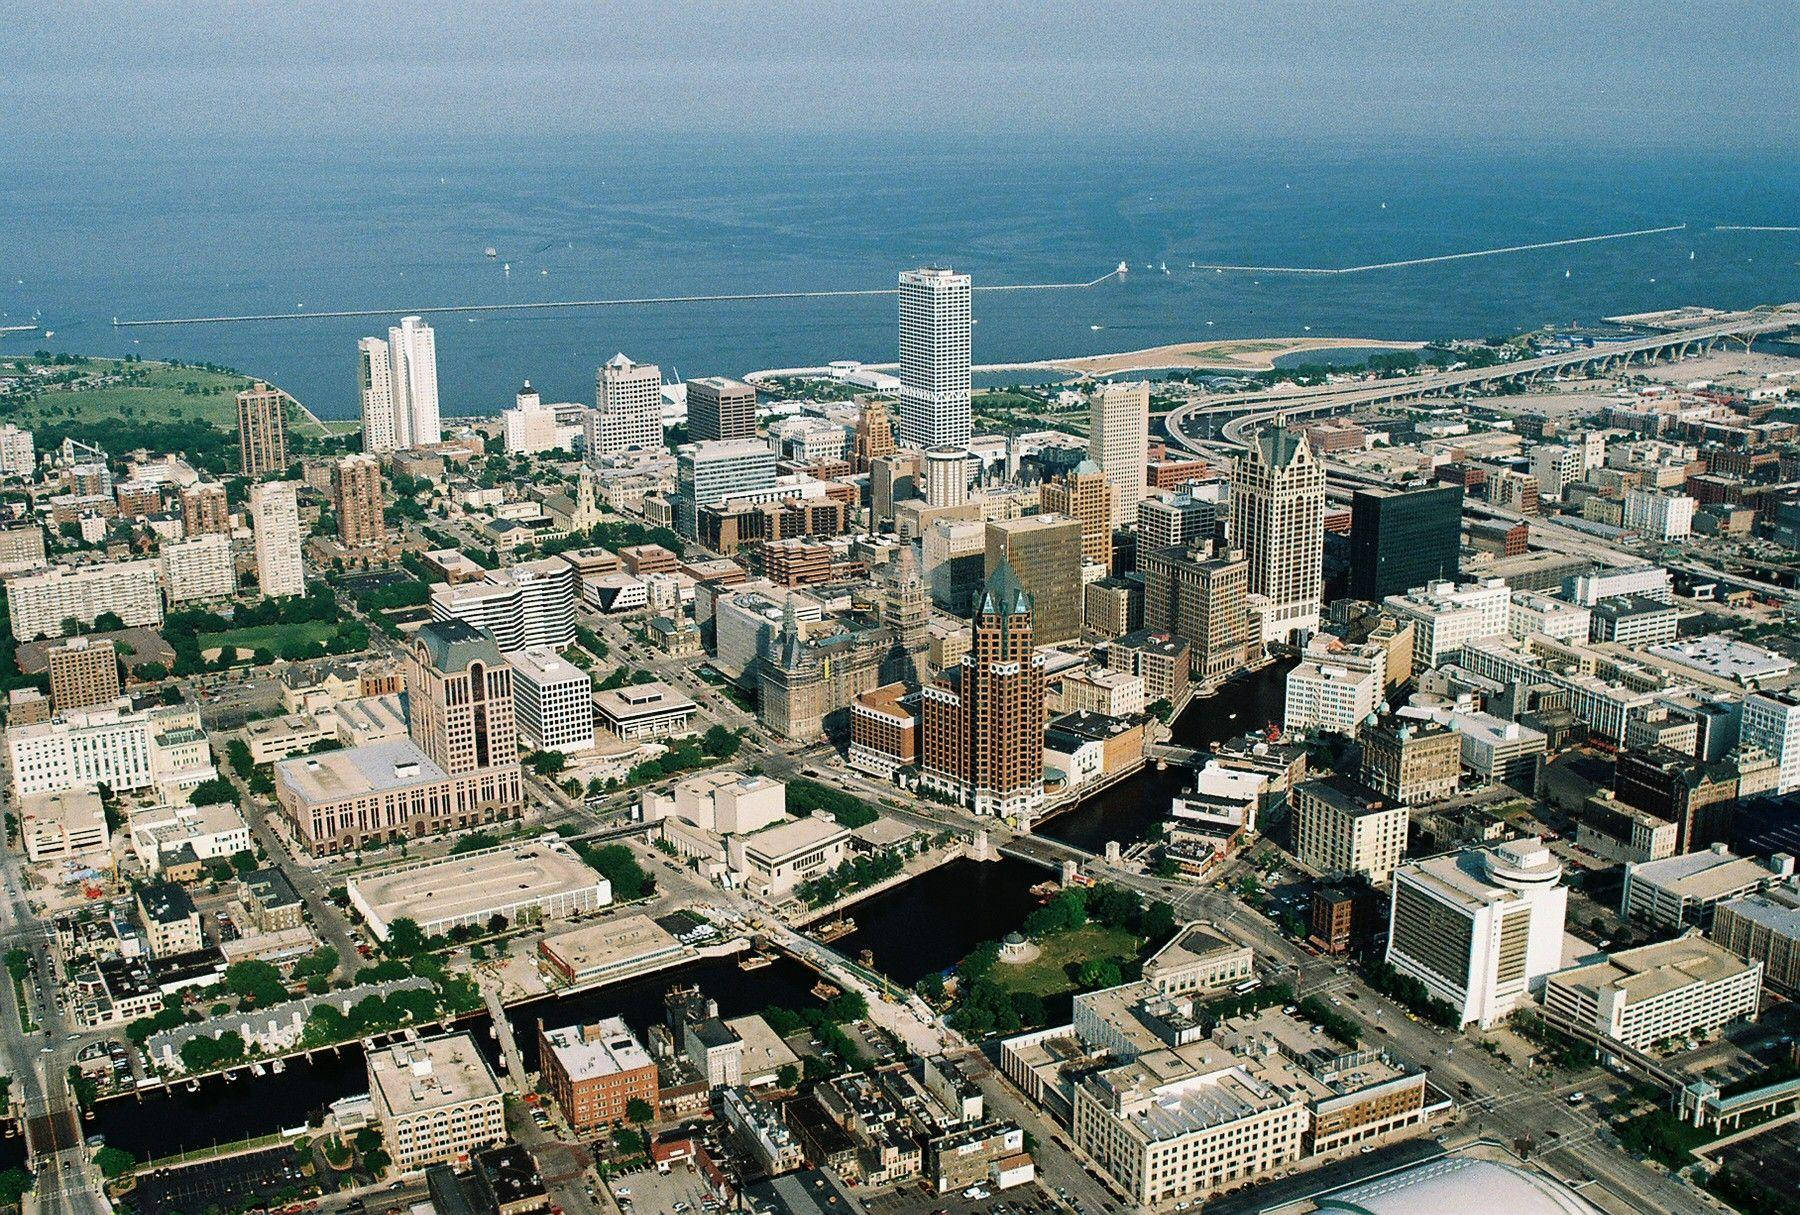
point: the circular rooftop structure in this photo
(1462, 1185)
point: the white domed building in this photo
(1462, 1185)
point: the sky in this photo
(1653, 72)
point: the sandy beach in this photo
(1243, 354)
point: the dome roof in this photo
(1461, 1184)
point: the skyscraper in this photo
(275, 519)
(262, 430)
(1400, 539)
(934, 359)
(874, 434)
(375, 386)
(83, 671)
(1278, 518)
(712, 472)
(627, 409)
(1086, 496)
(719, 408)
(947, 476)
(1043, 554)
(1119, 441)
(356, 490)
(983, 723)
(459, 693)
(204, 510)
(412, 373)
(1202, 601)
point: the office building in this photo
(1340, 828)
(874, 436)
(1555, 468)
(935, 408)
(1694, 795)
(1764, 928)
(1481, 928)
(411, 413)
(83, 671)
(1086, 496)
(772, 861)
(946, 476)
(1278, 519)
(275, 521)
(459, 693)
(1647, 995)
(64, 825)
(1678, 891)
(983, 719)
(1177, 521)
(720, 409)
(1043, 553)
(204, 510)
(1113, 607)
(526, 605)
(39, 604)
(644, 710)
(1119, 440)
(884, 730)
(436, 1100)
(171, 922)
(18, 454)
(262, 430)
(1331, 696)
(530, 426)
(1204, 602)
(553, 701)
(1590, 588)
(596, 1071)
(1659, 516)
(1500, 751)
(1400, 539)
(714, 472)
(1158, 658)
(356, 495)
(1771, 722)
(627, 412)
(199, 570)
(1445, 616)
(111, 745)
(1557, 619)
(1409, 760)
(375, 389)
(1634, 620)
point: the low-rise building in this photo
(271, 901)
(277, 738)
(211, 832)
(595, 1072)
(171, 921)
(1339, 827)
(1198, 959)
(1656, 992)
(775, 859)
(515, 883)
(644, 710)
(1683, 890)
(594, 953)
(1764, 928)
(437, 1101)
(65, 825)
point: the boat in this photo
(256, 1069)
(193, 1086)
(490, 251)
(824, 991)
(230, 1077)
(1163, 266)
(843, 926)
(755, 961)
(1096, 327)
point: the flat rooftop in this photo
(611, 943)
(780, 840)
(1703, 875)
(641, 700)
(383, 766)
(1725, 657)
(473, 884)
(429, 1074)
(605, 1048)
(1654, 970)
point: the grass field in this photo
(266, 636)
(151, 391)
(1046, 974)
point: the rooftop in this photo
(1708, 875)
(1725, 657)
(475, 883)
(642, 700)
(383, 766)
(414, 1076)
(454, 644)
(610, 943)
(604, 1048)
(784, 839)
(1654, 970)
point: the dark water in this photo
(172, 231)
(1128, 810)
(12, 1151)
(928, 924)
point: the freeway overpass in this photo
(1248, 411)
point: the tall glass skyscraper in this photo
(934, 359)
(1400, 539)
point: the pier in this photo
(1444, 257)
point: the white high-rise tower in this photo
(275, 521)
(1119, 442)
(1278, 519)
(375, 379)
(412, 368)
(934, 359)
(627, 412)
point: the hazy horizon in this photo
(1639, 75)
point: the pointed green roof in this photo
(1278, 445)
(1004, 593)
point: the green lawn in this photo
(1046, 974)
(266, 636)
(156, 392)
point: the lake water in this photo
(172, 231)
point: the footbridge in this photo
(1247, 412)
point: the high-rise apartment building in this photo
(530, 426)
(1278, 519)
(83, 671)
(18, 454)
(1087, 497)
(1400, 539)
(204, 510)
(356, 490)
(40, 604)
(275, 520)
(1119, 441)
(983, 719)
(1204, 601)
(946, 476)
(935, 409)
(627, 409)
(1481, 928)
(529, 604)
(262, 430)
(874, 434)
(200, 569)
(412, 376)
(375, 388)
(459, 692)
(1043, 553)
(716, 471)
(719, 408)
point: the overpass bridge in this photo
(1249, 411)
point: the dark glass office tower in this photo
(1400, 539)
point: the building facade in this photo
(627, 412)
(262, 430)
(275, 520)
(720, 409)
(38, 604)
(935, 407)
(1118, 441)
(356, 494)
(1400, 539)
(199, 570)
(1278, 519)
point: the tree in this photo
(719, 743)
(15, 1183)
(108, 622)
(114, 1162)
(548, 763)
(639, 1111)
(1099, 972)
(787, 1076)
(628, 1142)
(18, 963)
(216, 791)
(258, 982)
(405, 937)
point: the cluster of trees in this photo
(203, 1054)
(617, 864)
(1113, 906)
(1334, 1023)
(547, 763)
(170, 1015)
(1408, 991)
(853, 874)
(682, 756)
(1223, 1008)
(183, 630)
(983, 1006)
(826, 1024)
(373, 1014)
(1562, 1051)
(805, 796)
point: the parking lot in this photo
(909, 1199)
(231, 1184)
(677, 1192)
